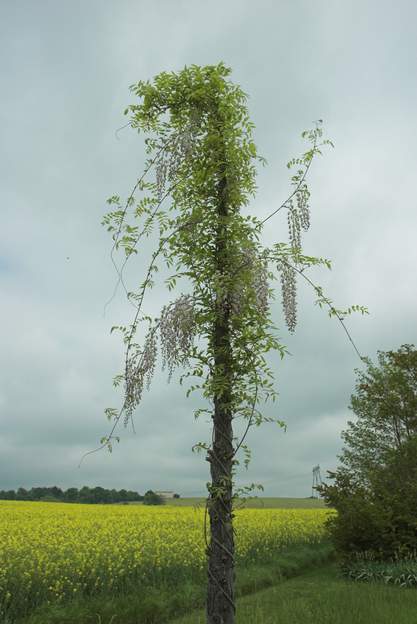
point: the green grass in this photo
(156, 605)
(321, 596)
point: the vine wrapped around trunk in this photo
(201, 152)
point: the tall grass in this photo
(322, 596)
(155, 605)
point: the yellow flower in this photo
(50, 551)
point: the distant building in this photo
(166, 494)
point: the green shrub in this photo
(151, 498)
(380, 519)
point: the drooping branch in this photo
(250, 260)
(322, 299)
(301, 191)
(164, 172)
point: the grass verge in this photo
(155, 605)
(322, 596)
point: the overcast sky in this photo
(65, 71)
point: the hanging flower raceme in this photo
(178, 149)
(289, 294)
(258, 268)
(303, 207)
(177, 329)
(140, 368)
(261, 286)
(298, 218)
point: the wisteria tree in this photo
(199, 174)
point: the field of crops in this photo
(51, 552)
(257, 502)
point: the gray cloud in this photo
(65, 70)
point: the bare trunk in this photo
(220, 594)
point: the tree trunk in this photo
(220, 594)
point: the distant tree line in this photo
(71, 495)
(84, 495)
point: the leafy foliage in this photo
(385, 404)
(401, 571)
(375, 488)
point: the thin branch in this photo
(120, 272)
(122, 128)
(297, 188)
(334, 311)
(139, 181)
(128, 201)
(250, 418)
(129, 343)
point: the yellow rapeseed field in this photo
(50, 552)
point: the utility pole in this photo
(316, 480)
